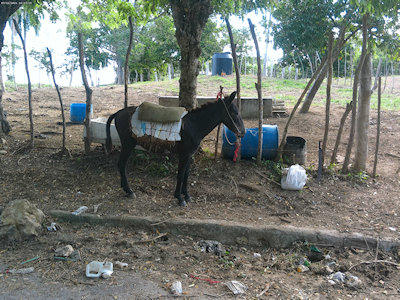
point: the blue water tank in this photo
(222, 62)
(250, 142)
(77, 112)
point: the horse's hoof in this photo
(182, 203)
(130, 193)
(188, 198)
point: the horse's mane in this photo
(203, 107)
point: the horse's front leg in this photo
(183, 161)
(185, 180)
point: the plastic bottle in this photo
(95, 269)
(80, 210)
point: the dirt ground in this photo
(154, 266)
(220, 190)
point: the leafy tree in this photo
(302, 28)
(190, 18)
(213, 40)
(241, 38)
(42, 60)
(95, 58)
(155, 46)
(302, 32)
(36, 8)
(381, 17)
(9, 59)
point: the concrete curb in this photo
(235, 233)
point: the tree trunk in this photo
(29, 82)
(351, 64)
(126, 66)
(346, 162)
(1, 76)
(169, 72)
(13, 57)
(237, 73)
(63, 149)
(120, 72)
(6, 10)
(311, 66)
(345, 66)
(260, 100)
(317, 57)
(314, 89)
(302, 68)
(386, 75)
(90, 75)
(349, 107)
(265, 68)
(88, 91)
(392, 76)
(328, 98)
(283, 140)
(341, 40)
(338, 71)
(361, 155)
(71, 72)
(190, 18)
(378, 128)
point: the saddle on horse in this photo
(157, 125)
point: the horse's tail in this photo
(108, 139)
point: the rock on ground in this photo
(20, 219)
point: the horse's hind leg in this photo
(183, 162)
(126, 151)
(185, 180)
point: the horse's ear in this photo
(231, 98)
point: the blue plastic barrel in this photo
(250, 142)
(222, 62)
(78, 112)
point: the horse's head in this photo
(231, 117)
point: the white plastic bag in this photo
(295, 179)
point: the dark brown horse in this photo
(196, 124)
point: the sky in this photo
(53, 35)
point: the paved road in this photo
(126, 285)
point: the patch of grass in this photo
(11, 87)
(274, 169)
(360, 177)
(287, 90)
(208, 152)
(154, 164)
(286, 84)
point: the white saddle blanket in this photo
(162, 131)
